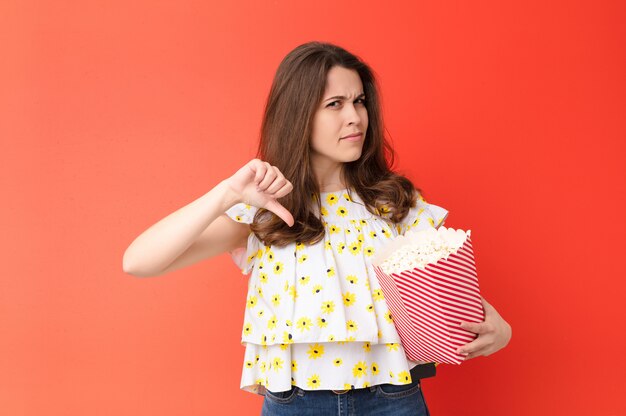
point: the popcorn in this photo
(430, 284)
(418, 248)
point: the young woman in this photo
(304, 218)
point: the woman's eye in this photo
(331, 104)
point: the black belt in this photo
(423, 371)
(418, 372)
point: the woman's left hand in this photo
(493, 334)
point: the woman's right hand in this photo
(259, 184)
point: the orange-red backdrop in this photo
(114, 114)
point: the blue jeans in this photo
(380, 400)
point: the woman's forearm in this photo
(158, 246)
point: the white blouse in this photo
(315, 315)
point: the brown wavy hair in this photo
(295, 95)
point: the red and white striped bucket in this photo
(427, 305)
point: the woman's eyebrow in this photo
(342, 97)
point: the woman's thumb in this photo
(278, 209)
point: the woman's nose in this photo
(352, 114)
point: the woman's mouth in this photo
(353, 137)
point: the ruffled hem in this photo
(323, 366)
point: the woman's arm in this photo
(493, 334)
(201, 230)
(188, 235)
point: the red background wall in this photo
(113, 115)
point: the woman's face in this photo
(341, 113)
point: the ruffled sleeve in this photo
(422, 216)
(244, 257)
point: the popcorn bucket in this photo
(430, 288)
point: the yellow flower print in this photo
(375, 369)
(415, 222)
(277, 364)
(287, 338)
(399, 228)
(324, 211)
(256, 358)
(288, 322)
(294, 365)
(360, 369)
(350, 339)
(269, 255)
(373, 234)
(352, 279)
(252, 300)
(328, 245)
(315, 351)
(276, 299)
(342, 211)
(328, 306)
(369, 251)
(347, 197)
(313, 382)
(304, 324)
(238, 218)
(393, 346)
(304, 279)
(259, 291)
(271, 324)
(352, 326)
(247, 329)
(362, 222)
(286, 286)
(263, 277)
(278, 268)
(262, 366)
(249, 364)
(378, 294)
(261, 265)
(263, 339)
(432, 222)
(302, 258)
(366, 384)
(386, 232)
(404, 377)
(367, 347)
(355, 248)
(299, 246)
(388, 317)
(317, 289)
(337, 362)
(260, 381)
(293, 292)
(347, 386)
(340, 247)
(259, 253)
(321, 322)
(332, 199)
(260, 313)
(391, 375)
(349, 299)
(330, 272)
(367, 285)
(333, 229)
(331, 338)
(370, 308)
